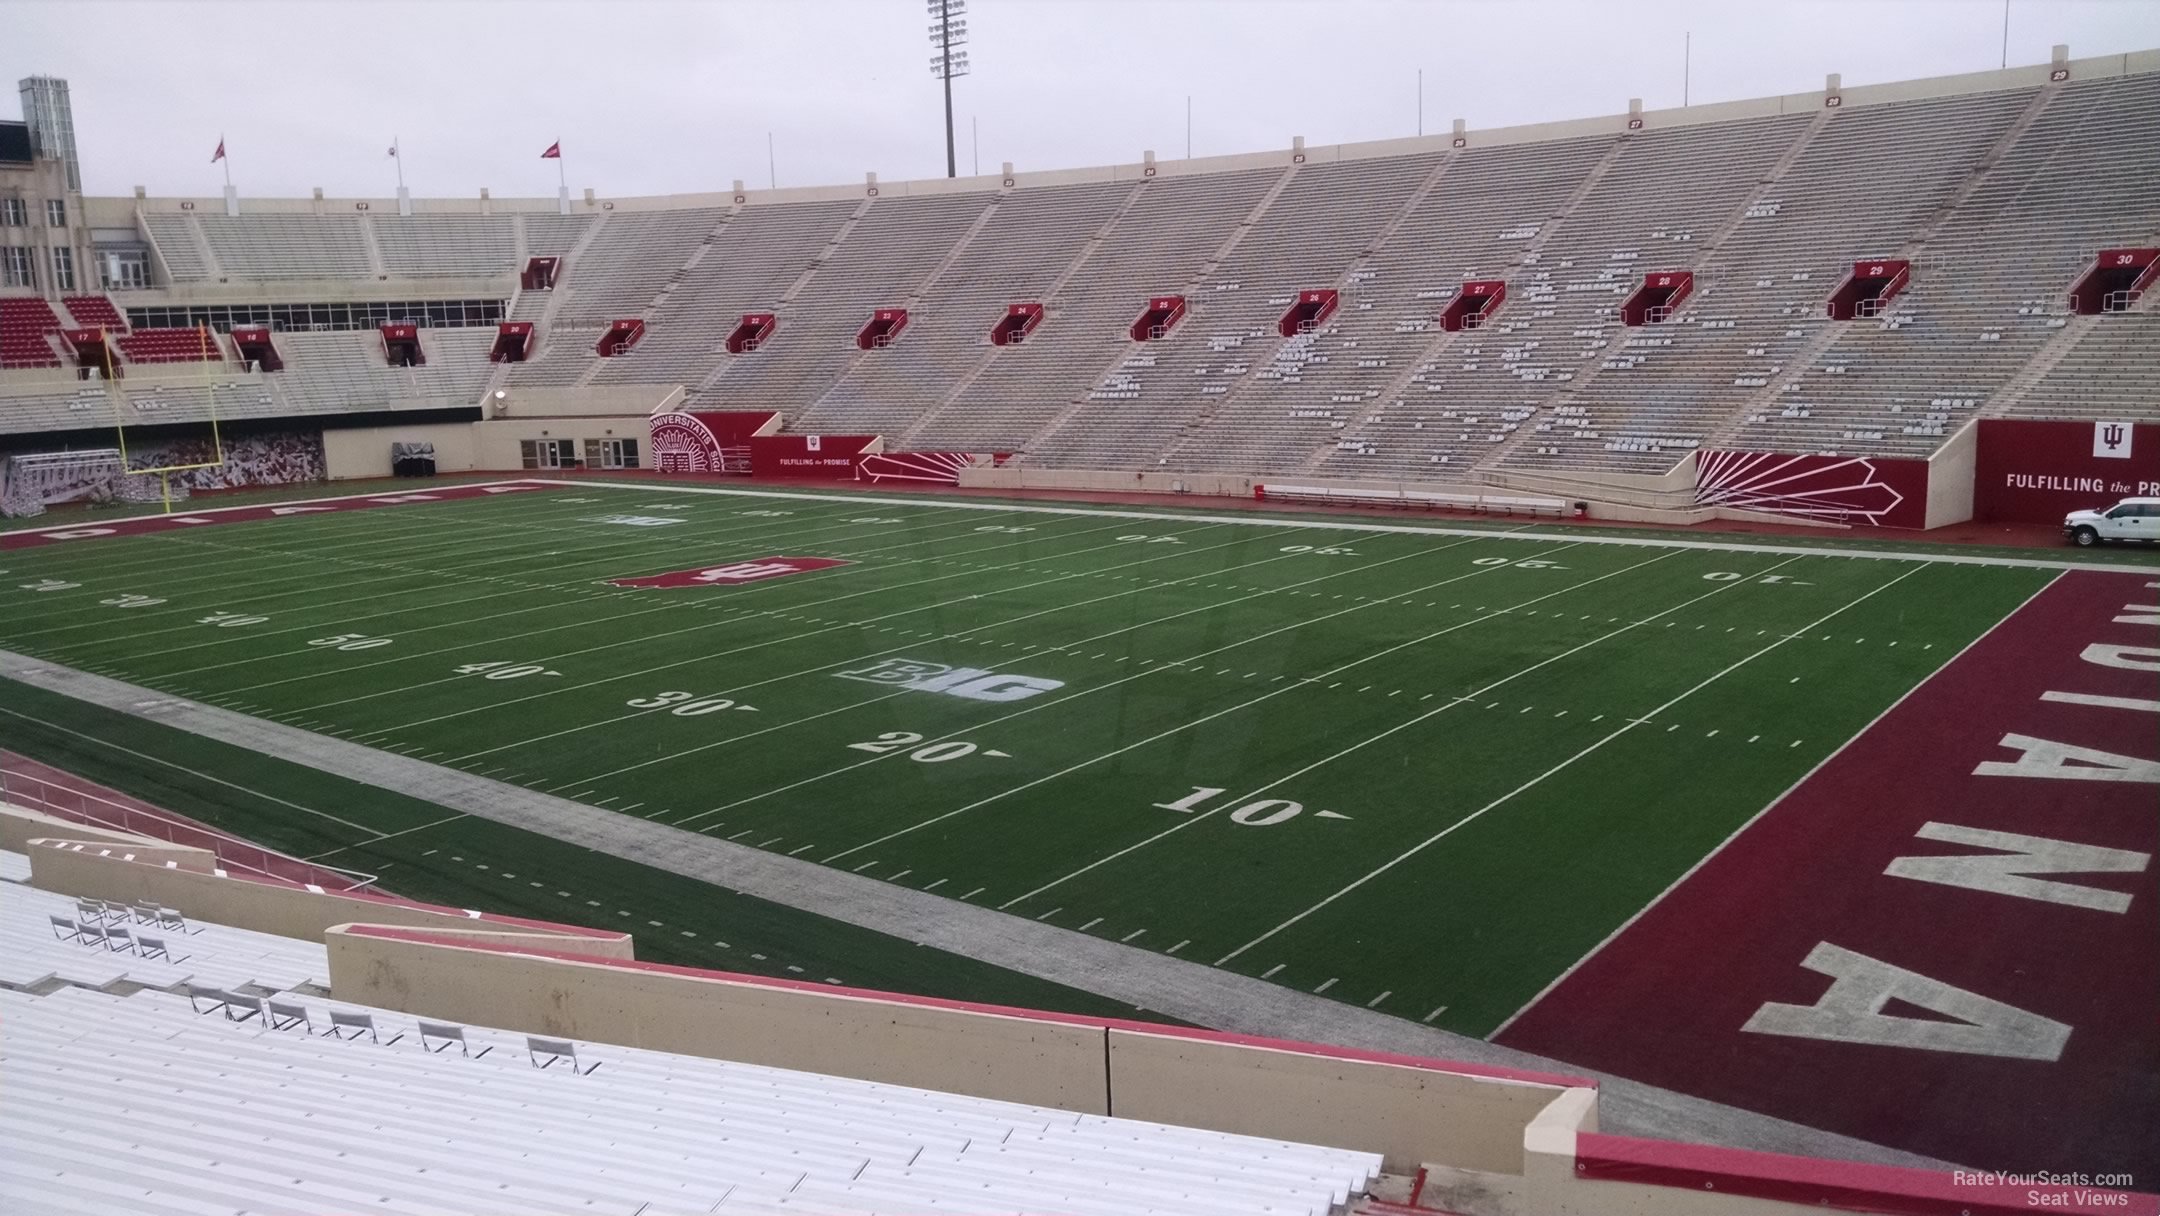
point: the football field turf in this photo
(1419, 769)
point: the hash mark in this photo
(1135, 933)
(1180, 946)
(1324, 987)
(1435, 1013)
(1376, 1000)
(1270, 972)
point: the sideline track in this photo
(151, 525)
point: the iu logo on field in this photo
(973, 683)
(2111, 440)
(754, 570)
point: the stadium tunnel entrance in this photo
(1162, 315)
(750, 332)
(1312, 309)
(885, 325)
(2114, 281)
(254, 346)
(1658, 298)
(1474, 304)
(513, 342)
(1018, 322)
(401, 346)
(621, 335)
(1869, 288)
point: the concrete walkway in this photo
(1191, 991)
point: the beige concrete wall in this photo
(19, 825)
(597, 401)
(1048, 1063)
(264, 907)
(1950, 478)
(365, 451)
(1409, 1115)
(495, 444)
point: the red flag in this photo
(554, 151)
(218, 155)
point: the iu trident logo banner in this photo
(733, 574)
(2111, 440)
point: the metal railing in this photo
(80, 806)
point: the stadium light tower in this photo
(948, 30)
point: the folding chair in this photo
(170, 918)
(90, 934)
(119, 940)
(555, 1050)
(64, 929)
(358, 1023)
(246, 1006)
(448, 1034)
(146, 913)
(90, 909)
(199, 992)
(154, 947)
(284, 1015)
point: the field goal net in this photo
(30, 483)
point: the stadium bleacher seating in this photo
(241, 1084)
(1998, 195)
(96, 312)
(26, 326)
(172, 346)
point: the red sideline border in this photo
(1838, 1185)
(1360, 1055)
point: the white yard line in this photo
(313, 581)
(1326, 522)
(522, 589)
(660, 605)
(800, 635)
(1286, 688)
(1406, 724)
(1624, 728)
(1152, 670)
(946, 637)
(391, 835)
(1736, 833)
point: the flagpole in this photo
(398, 154)
(562, 175)
(225, 160)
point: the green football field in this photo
(1416, 767)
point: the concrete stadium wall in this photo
(678, 1009)
(495, 445)
(1410, 1115)
(365, 451)
(1570, 1169)
(19, 825)
(1410, 1110)
(101, 872)
(1950, 478)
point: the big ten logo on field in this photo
(973, 683)
(756, 569)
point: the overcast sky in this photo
(656, 98)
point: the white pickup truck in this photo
(2130, 519)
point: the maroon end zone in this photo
(1945, 939)
(181, 521)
